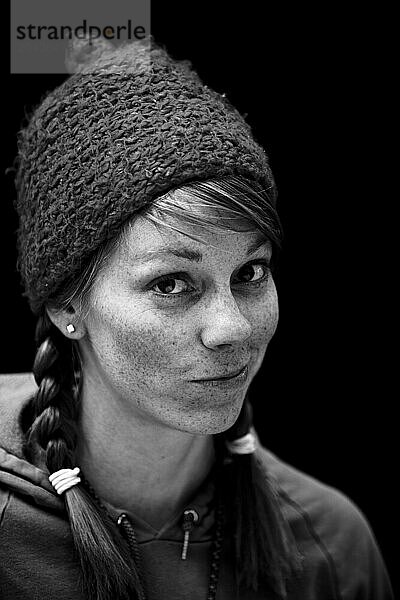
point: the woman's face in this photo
(168, 312)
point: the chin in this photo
(212, 422)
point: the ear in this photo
(68, 321)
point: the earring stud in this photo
(70, 328)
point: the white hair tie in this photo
(242, 445)
(64, 479)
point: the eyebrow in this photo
(260, 243)
(193, 255)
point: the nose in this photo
(224, 323)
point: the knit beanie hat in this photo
(128, 125)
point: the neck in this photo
(137, 463)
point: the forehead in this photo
(145, 241)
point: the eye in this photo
(254, 272)
(171, 285)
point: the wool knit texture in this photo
(124, 128)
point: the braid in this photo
(264, 546)
(54, 407)
(50, 422)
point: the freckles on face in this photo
(267, 322)
(134, 343)
(158, 322)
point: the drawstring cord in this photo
(190, 517)
(130, 535)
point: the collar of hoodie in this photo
(196, 516)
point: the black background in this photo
(304, 77)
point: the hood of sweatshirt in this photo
(31, 480)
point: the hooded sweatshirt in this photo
(340, 556)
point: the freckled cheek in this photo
(264, 327)
(149, 348)
(265, 320)
(143, 344)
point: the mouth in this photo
(234, 378)
(228, 376)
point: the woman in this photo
(130, 467)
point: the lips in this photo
(224, 376)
